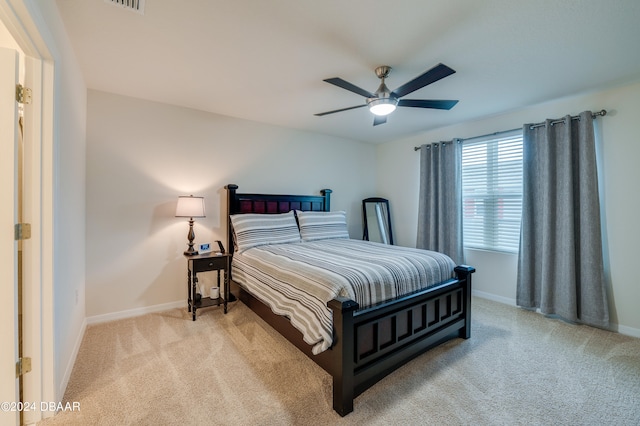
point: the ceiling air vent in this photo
(132, 5)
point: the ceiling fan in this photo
(383, 102)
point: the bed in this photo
(363, 344)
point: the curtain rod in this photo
(533, 126)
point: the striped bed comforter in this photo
(297, 280)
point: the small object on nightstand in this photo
(215, 292)
(203, 263)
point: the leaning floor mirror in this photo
(377, 220)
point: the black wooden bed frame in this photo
(368, 343)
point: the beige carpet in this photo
(518, 368)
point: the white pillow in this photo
(253, 229)
(322, 225)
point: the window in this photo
(492, 192)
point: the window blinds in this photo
(492, 191)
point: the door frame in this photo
(9, 254)
(39, 186)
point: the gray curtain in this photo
(560, 264)
(440, 200)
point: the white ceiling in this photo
(265, 60)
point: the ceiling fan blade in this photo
(431, 76)
(350, 87)
(379, 119)
(424, 103)
(338, 110)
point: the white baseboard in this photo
(622, 329)
(96, 319)
(495, 298)
(628, 331)
(72, 361)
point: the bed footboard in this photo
(373, 342)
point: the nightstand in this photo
(203, 263)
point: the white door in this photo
(8, 246)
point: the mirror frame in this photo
(374, 200)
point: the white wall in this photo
(619, 131)
(141, 155)
(69, 193)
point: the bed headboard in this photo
(271, 204)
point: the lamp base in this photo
(191, 236)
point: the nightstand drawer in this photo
(209, 264)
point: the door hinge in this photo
(23, 366)
(23, 94)
(22, 231)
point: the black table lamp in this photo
(190, 206)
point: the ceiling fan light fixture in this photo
(383, 102)
(382, 106)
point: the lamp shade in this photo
(190, 206)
